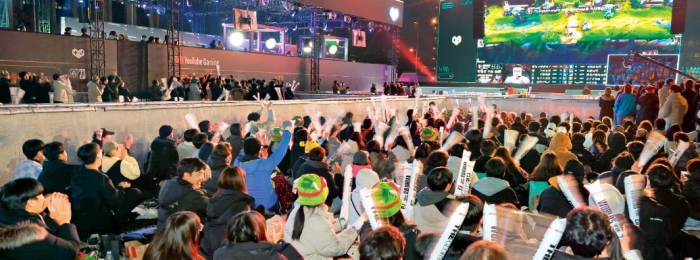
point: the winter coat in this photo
(219, 211)
(584, 156)
(253, 251)
(204, 151)
(194, 93)
(402, 154)
(56, 176)
(690, 115)
(606, 107)
(530, 160)
(217, 163)
(318, 240)
(31, 90)
(674, 109)
(383, 166)
(163, 159)
(648, 107)
(663, 94)
(625, 104)
(655, 223)
(616, 145)
(365, 180)
(236, 145)
(157, 93)
(553, 201)
(5, 95)
(259, 172)
(121, 170)
(63, 91)
(432, 210)
(94, 92)
(676, 204)
(480, 163)
(185, 149)
(323, 170)
(93, 198)
(178, 195)
(561, 146)
(495, 191)
(691, 191)
(29, 236)
(110, 93)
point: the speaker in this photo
(478, 19)
(680, 8)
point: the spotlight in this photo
(306, 49)
(270, 43)
(236, 39)
(333, 49)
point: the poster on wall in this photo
(245, 20)
(359, 38)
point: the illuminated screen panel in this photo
(456, 48)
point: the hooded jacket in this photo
(55, 176)
(495, 191)
(254, 251)
(259, 171)
(319, 240)
(616, 145)
(26, 236)
(163, 159)
(674, 109)
(561, 146)
(364, 179)
(185, 149)
(553, 201)
(178, 195)
(432, 209)
(93, 198)
(219, 210)
(121, 170)
(217, 164)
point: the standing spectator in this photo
(195, 91)
(606, 103)
(178, 239)
(56, 173)
(163, 159)
(95, 90)
(674, 108)
(157, 91)
(124, 92)
(184, 192)
(688, 93)
(647, 105)
(28, 83)
(68, 31)
(62, 90)
(31, 167)
(109, 93)
(625, 104)
(5, 84)
(178, 91)
(665, 91)
(336, 87)
(43, 89)
(84, 32)
(27, 231)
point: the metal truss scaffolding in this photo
(317, 49)
(394, 55)
(96, 15)
(173, 41)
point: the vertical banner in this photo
(465, 175)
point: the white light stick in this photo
(599, 197)
(475, 116)
(681, 147)
(551, 240)
(407, 138)
(279, 94)
(379, 129)
(453, 117)
(357, 126)
(347, 186)
(571, 122)
(448, 235)
(222, 127)
(529, 90)
(453, 139)
(20, 95)
(368, 203)
(394, 132)
(224, 95)
(634, 184)
(328, 126)
(246, 128)
(218, 70)
(528, 143)
(406, 207)
(490, 220)
(192, 121)
(442, 131)
(416, 170)
(510, 138)
(341, 150)
(569, 186)
(487, 125)
(655, 142)
(464, 178)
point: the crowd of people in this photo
(215, 194)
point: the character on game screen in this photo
(517, 76)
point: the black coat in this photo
(56, 176)
(111, 93)
(480, 164)
(178, 195)
(31, 90)
(688, 124)
(322, 169)
(217, 164)
(606, 108)
(219, 211)
(583, 155)
(27, 236)
(236, 145)
(163, 159)
(257, 251)
(655, 223)
(616, 145)
(5, 95)
(42, 93)
(93, 199)
(530, 161)
(676, 204)
(649, 108)
(691, 191)
(553, 201)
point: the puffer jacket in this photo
(561, 146)
(495, 191)
(364, 179)
(30, 236)
(163, 159)
(674, 109)
(178, 195)
(553, 201)
(257, 251)
(318, 240)
(219, 210)
(691, 191)
(432, 210)
(217, 163)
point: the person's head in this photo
(90, 154)
(55, 151)
(484, 249)
(487, 147)
(231, 178)
(165, 131)
(472, 221)
(33, 149)
(191, 170)
(312, 191)
(675, 89)
(575, 168)
(178, 239)
(518, 71)
(200, 139)
(254, 116)
(438, 159)
(423, 151)
(388, 202)
(317, 154)
(373, 147)
(223, 149)
(189, 134)
(474, 136)
(577, 139)
(440, 179)
(384, 243)
(587, 232)
(627, 89)
(495, 168)
(534, 127)
(670, 81)
(549, 167)
(457, 150)
(83, 30)
(68, 30)
(23, 194)
(204, 126)
(247, 226)
(660, 176)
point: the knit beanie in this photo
(428, 134)
(276, 134)
(359, 158)
(310, 145)
(387, 199)
(312, 190)
(297, 121)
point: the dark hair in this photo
(373, 147)
(484, 249)
(439, 178)
(88, 153)
(534, 126)
(458, 149)
(672, 130)
(235, 130)
(660, 123)
(438, 159)
(476, 211)
(547, 168)
(317, 154)
(565, 125)
(660, 176)
(53, 150)
(586, 126)
(384, 243)
(474, 136)
(681, 136)
(300, 221)
(200, 139)
(458, 127)
(251, 146)
(577, 139)
(189, 165)
(693, 167)
(587, 232)
(555, 119)
(15, 194)
(675, 89)
(231, 178)
(178, 239)
(204, 126)
(487, 147)
(300, 135)
(32, 147)
(254, 116)
(400, 141)
(247, 226)
(222, 149)
(423, 151)
(189, 134)
(495, 168)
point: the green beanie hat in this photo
(276, 134)
(96, 78)
(386, 198)
(312, 190)
(297, 121)
(428, 134)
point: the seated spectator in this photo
(310, 228)
(661, 181)
(454, 162)
(621, 163)
(400, 149)
(260, 169)
(27, 231)
(577, 148)
(360, 161)
(384, 243)
(487, 148)
(366, 178)
(436, 159)
(434, 204)
(177, 239)
(118, 165)
(97, 205)
(184, 192)
(561, 146)
(230, 199)
(316, 164)
(485, 250)
(531, 158)
(235, 139)
(204, 146)
(552, 199)
(208, 128)
(548, 168)
(219, 159)
(246, 239)
(186, 147)
(56, 173)
(516, 176)
(31, 167)
(162, 161)
(494, 189)
(691, 191)
(616, 145)
(384, 166)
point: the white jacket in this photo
(129, 167)
(318, 240)
(63, 91)
(674, 109)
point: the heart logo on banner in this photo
(456, 40)
(394, 13)
(78, 53)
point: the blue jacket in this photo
(625, 104)
(258, 173)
